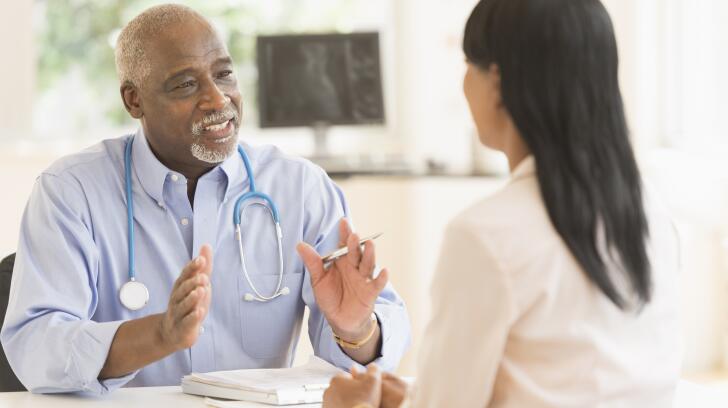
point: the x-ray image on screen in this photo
(310, 79)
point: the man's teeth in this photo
(214, 128)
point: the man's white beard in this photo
(201, 152)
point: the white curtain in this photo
(675, 56)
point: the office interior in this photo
(417, 164)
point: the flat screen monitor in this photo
(322, 79)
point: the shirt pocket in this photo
(270, 328)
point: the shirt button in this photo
(161, 204)
(202, 329)
(184, 221)
(175, 177)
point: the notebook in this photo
(277, 386)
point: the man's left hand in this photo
(345, 292)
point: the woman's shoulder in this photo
(513, 227)
(514, 209)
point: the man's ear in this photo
(132, 100)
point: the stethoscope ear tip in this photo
(285, 291)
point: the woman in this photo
(558, 291)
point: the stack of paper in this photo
(277, 386)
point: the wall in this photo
(16, 43)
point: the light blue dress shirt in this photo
(64, 306)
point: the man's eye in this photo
(225, 74)
(186, 84)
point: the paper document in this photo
(315, 374)
(211, 402)
(280, 386)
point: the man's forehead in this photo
(185, 45)
(184, 61)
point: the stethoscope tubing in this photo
(238, 213)
(129, 210)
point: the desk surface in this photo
(688, 395)
(124, 397)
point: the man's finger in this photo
(208, 295)
(192, 267)
(312, 260)
(366, 267)
(344, 231)
(187, 286)
(191, 319)
(206, 253)
(190, 302)
(354, 255)
(381, 280)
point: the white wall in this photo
(430, 69)
(17, 175)
(17, 68)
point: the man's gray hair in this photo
(132, 64)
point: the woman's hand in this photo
(358, 389)
(394, 391)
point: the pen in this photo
(328, 259)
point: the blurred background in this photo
(415, 167)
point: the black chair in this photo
(8, 380)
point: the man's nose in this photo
(213, 99)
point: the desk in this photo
(122, 398)
(688, 395)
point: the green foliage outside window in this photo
(75, 48)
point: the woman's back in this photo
(517, 322)
(560, 290)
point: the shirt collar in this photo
(152, 174)
(526, 168)
(149, 170)
(234, 170)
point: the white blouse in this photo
(517, 323)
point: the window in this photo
(678, 86)
(77, 93)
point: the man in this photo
(66, 328)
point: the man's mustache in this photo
(215, 117)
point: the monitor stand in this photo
(348, 165)
(320, 132)
(321, 155)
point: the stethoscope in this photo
(134, 295)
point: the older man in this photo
(166, 196)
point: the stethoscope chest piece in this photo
(134, 295)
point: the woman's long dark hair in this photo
(558, 65)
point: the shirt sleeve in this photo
(48, 337)
(325, 206)
(472, 311)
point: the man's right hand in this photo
(189, 303)
(145, 340)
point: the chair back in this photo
(8, 380)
